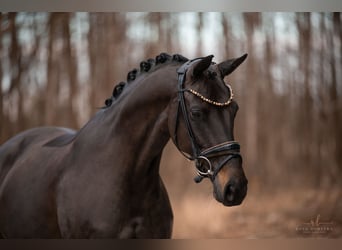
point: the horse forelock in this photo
(145, 67)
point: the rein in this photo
(230, 149)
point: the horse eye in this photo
(196, 114)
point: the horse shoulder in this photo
(25, 164)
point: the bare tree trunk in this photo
(71, 68)
(335, 105)
(305, 119)
(251, 21)
(2, 120)
(162, 23)
(226, 34)
(153, 20)
(16, 69)
(52, 87)
(104, 50)
(200, 20)
(337, 102)
(92, 43)
(169, 32)
(322, 112)
(267, 100)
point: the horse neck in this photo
(134, 131)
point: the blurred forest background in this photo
(58, 68)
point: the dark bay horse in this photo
(103, 181)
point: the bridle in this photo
(230, 149)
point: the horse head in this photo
(204, 111)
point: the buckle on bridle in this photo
(209, 172)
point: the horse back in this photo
(14, 148)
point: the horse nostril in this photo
(234, 192)
(229, 193)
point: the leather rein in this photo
(229, 149)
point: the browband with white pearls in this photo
(220, 104)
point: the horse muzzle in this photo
(230, 184)
(234, 192)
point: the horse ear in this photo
(229, 66)
(201, 65)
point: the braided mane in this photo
(145, 66)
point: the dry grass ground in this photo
(278, 214)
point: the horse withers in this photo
(103, 181)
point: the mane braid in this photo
(145, 66)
